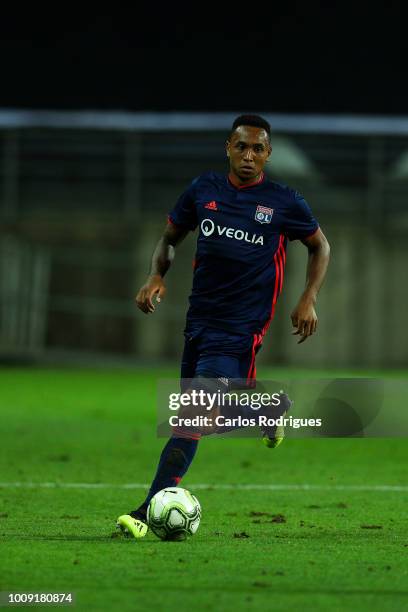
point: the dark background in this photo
(73, 198)
(296, 57)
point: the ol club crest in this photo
(263, 214)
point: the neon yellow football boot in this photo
(273, 436)
(131, 527)
(276, 439)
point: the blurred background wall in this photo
(84, 198)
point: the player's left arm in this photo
(304, 316)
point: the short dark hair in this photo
(254, 121)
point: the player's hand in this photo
(153, 287)
(304, 318)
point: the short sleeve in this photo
(184, 212)
(300, 222)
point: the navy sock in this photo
(174, 462)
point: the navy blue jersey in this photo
(240, 258)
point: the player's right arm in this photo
(162, 258)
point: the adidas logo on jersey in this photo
(208, 227)
(211, 205)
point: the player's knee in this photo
(200, 389)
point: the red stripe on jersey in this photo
(252, 364)
(283, 261)
(257, 345)
(252, 368)
(279, 261)
(280, 258)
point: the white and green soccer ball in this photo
(174, 514)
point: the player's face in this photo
(248, 150)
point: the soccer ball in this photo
(173, 514)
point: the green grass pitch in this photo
(325, 548)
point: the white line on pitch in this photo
(217, 486)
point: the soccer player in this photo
(244, 221)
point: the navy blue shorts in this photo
(217, 353)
